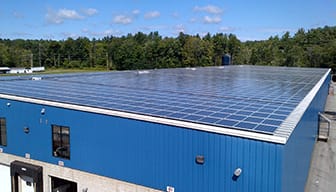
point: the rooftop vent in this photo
(191, 68)
(142, 72)
(36, 78)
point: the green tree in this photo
(4, 55)
(311, 48)
(233, 47)
(197, 52)
(220, 44)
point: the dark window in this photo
(61, 185)
(61, 141)
(3, 132)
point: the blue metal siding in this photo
(144, 153)
(298, 149)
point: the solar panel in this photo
(161, 113)
(272, 122)
(266, 128)
(209, 120)
(257, 114)
(226, 122)
(244, 113)
(204, 113)
(238, 97)
(220, 115)
(193, 117)
(254, 119)
(177, 115)
(247, 125)
(236, 117)
(280, 117)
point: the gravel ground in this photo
(322, 175)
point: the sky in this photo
(247, 19)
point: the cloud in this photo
(175, 14)
(122, 19)
(227, 29)
(18, 15)
(48, 36)
(276, 30)
(108, 32)
(209, 9)
(153, 28)
(193, 20)
(90, 11)
(136, 12)
(58, 17)
(22, 34)
(179, 29)
(52, 18)
(126, 18)
(152, 15)
(68, 14)
(66, 35)
(212, 20)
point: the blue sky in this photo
(249, 20)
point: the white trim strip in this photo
(188, 125)
(288, 126)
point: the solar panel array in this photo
(240, 97)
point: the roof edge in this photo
(177, 123)
(287, 127)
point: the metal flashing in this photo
(287, 127)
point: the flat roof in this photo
(255, 102)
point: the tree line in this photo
(312, 48)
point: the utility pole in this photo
(107, 61)
(58, 60)
(31, 60)
(40, 54)
(94, 53)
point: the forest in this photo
(311, 48)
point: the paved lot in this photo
(322, 175)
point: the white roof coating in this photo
(256, 102)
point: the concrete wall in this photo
(84, 180)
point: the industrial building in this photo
(7, 70)
(231, 128)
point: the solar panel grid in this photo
(143, 111)
(237, 97)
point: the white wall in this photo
(5, 182)
(20, 70)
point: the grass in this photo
(59, 70)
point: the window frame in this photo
(60, 141)
(3, 131)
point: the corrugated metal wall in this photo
(299, 148)
(145, 153)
